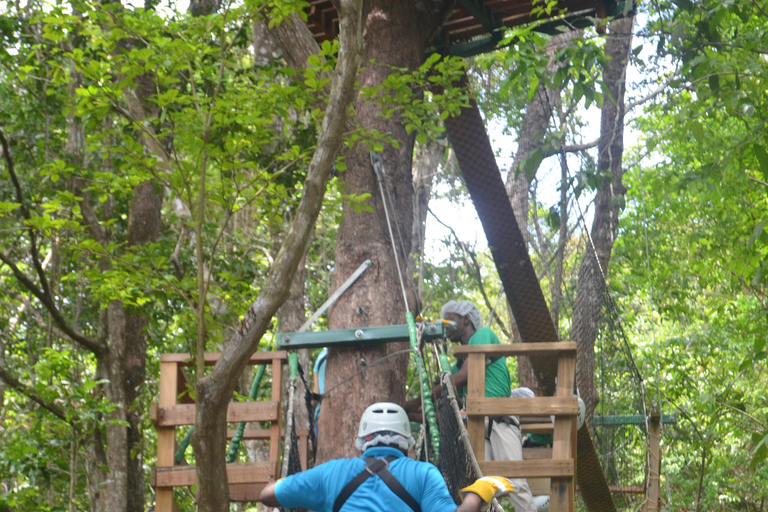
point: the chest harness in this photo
(377, 467)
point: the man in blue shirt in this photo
(384, 478)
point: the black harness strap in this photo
(377, 467)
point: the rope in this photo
(429, 417)
(378, 167)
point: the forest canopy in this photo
(155, 159)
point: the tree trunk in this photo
(592, 272)
(144, 221)
(425, 164)
(396, 33)
(215, 390)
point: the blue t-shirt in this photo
(317, 488)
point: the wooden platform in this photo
(548, 470)
(176, 408)
(472, 19)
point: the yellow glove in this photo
(487, 488)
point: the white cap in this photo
(462, 308)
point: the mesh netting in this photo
(457, 461)
(619, 425)
(510, 254)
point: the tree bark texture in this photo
(144, 221)
(591, 284)
(215, 390)
(425, 164)
(396, 33)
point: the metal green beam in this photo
(362, 335)
(617, 421)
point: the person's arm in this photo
(413, 406)
(268, 497)
(461, 377)
(471, 503)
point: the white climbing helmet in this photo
(384, 417)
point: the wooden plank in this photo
(277, 388)
(476, 391)
(528, 468)
(212, 357)
(238, 473)
(538, 428)
(250, 434)
(544, 452)
(166, 437)
(184, 414)
(537, 419)
(566, 406)
(562, 493)
(518, 349)
(540, 486)
(654, 459)
(243, 493)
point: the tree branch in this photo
(661, 88)
(39, 318)
(92, 344)
(24, 212)
(469, 254)
(32, 395)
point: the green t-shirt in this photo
(498, 383)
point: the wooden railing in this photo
(176, 408)
(560, 467)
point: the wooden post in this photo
(563, 489)
(166, 436)
(654, 462)
(476, 389)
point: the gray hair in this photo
(463, 308)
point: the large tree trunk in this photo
(144, 221)
(215, 390)
(425, 163)
(396, 33)
(592, 272)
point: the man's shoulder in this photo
(484, 336)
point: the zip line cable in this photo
(429, 415)
(378, 167)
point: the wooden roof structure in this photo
(477, 26)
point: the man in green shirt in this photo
(502, 433)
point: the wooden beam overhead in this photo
(462, 25)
